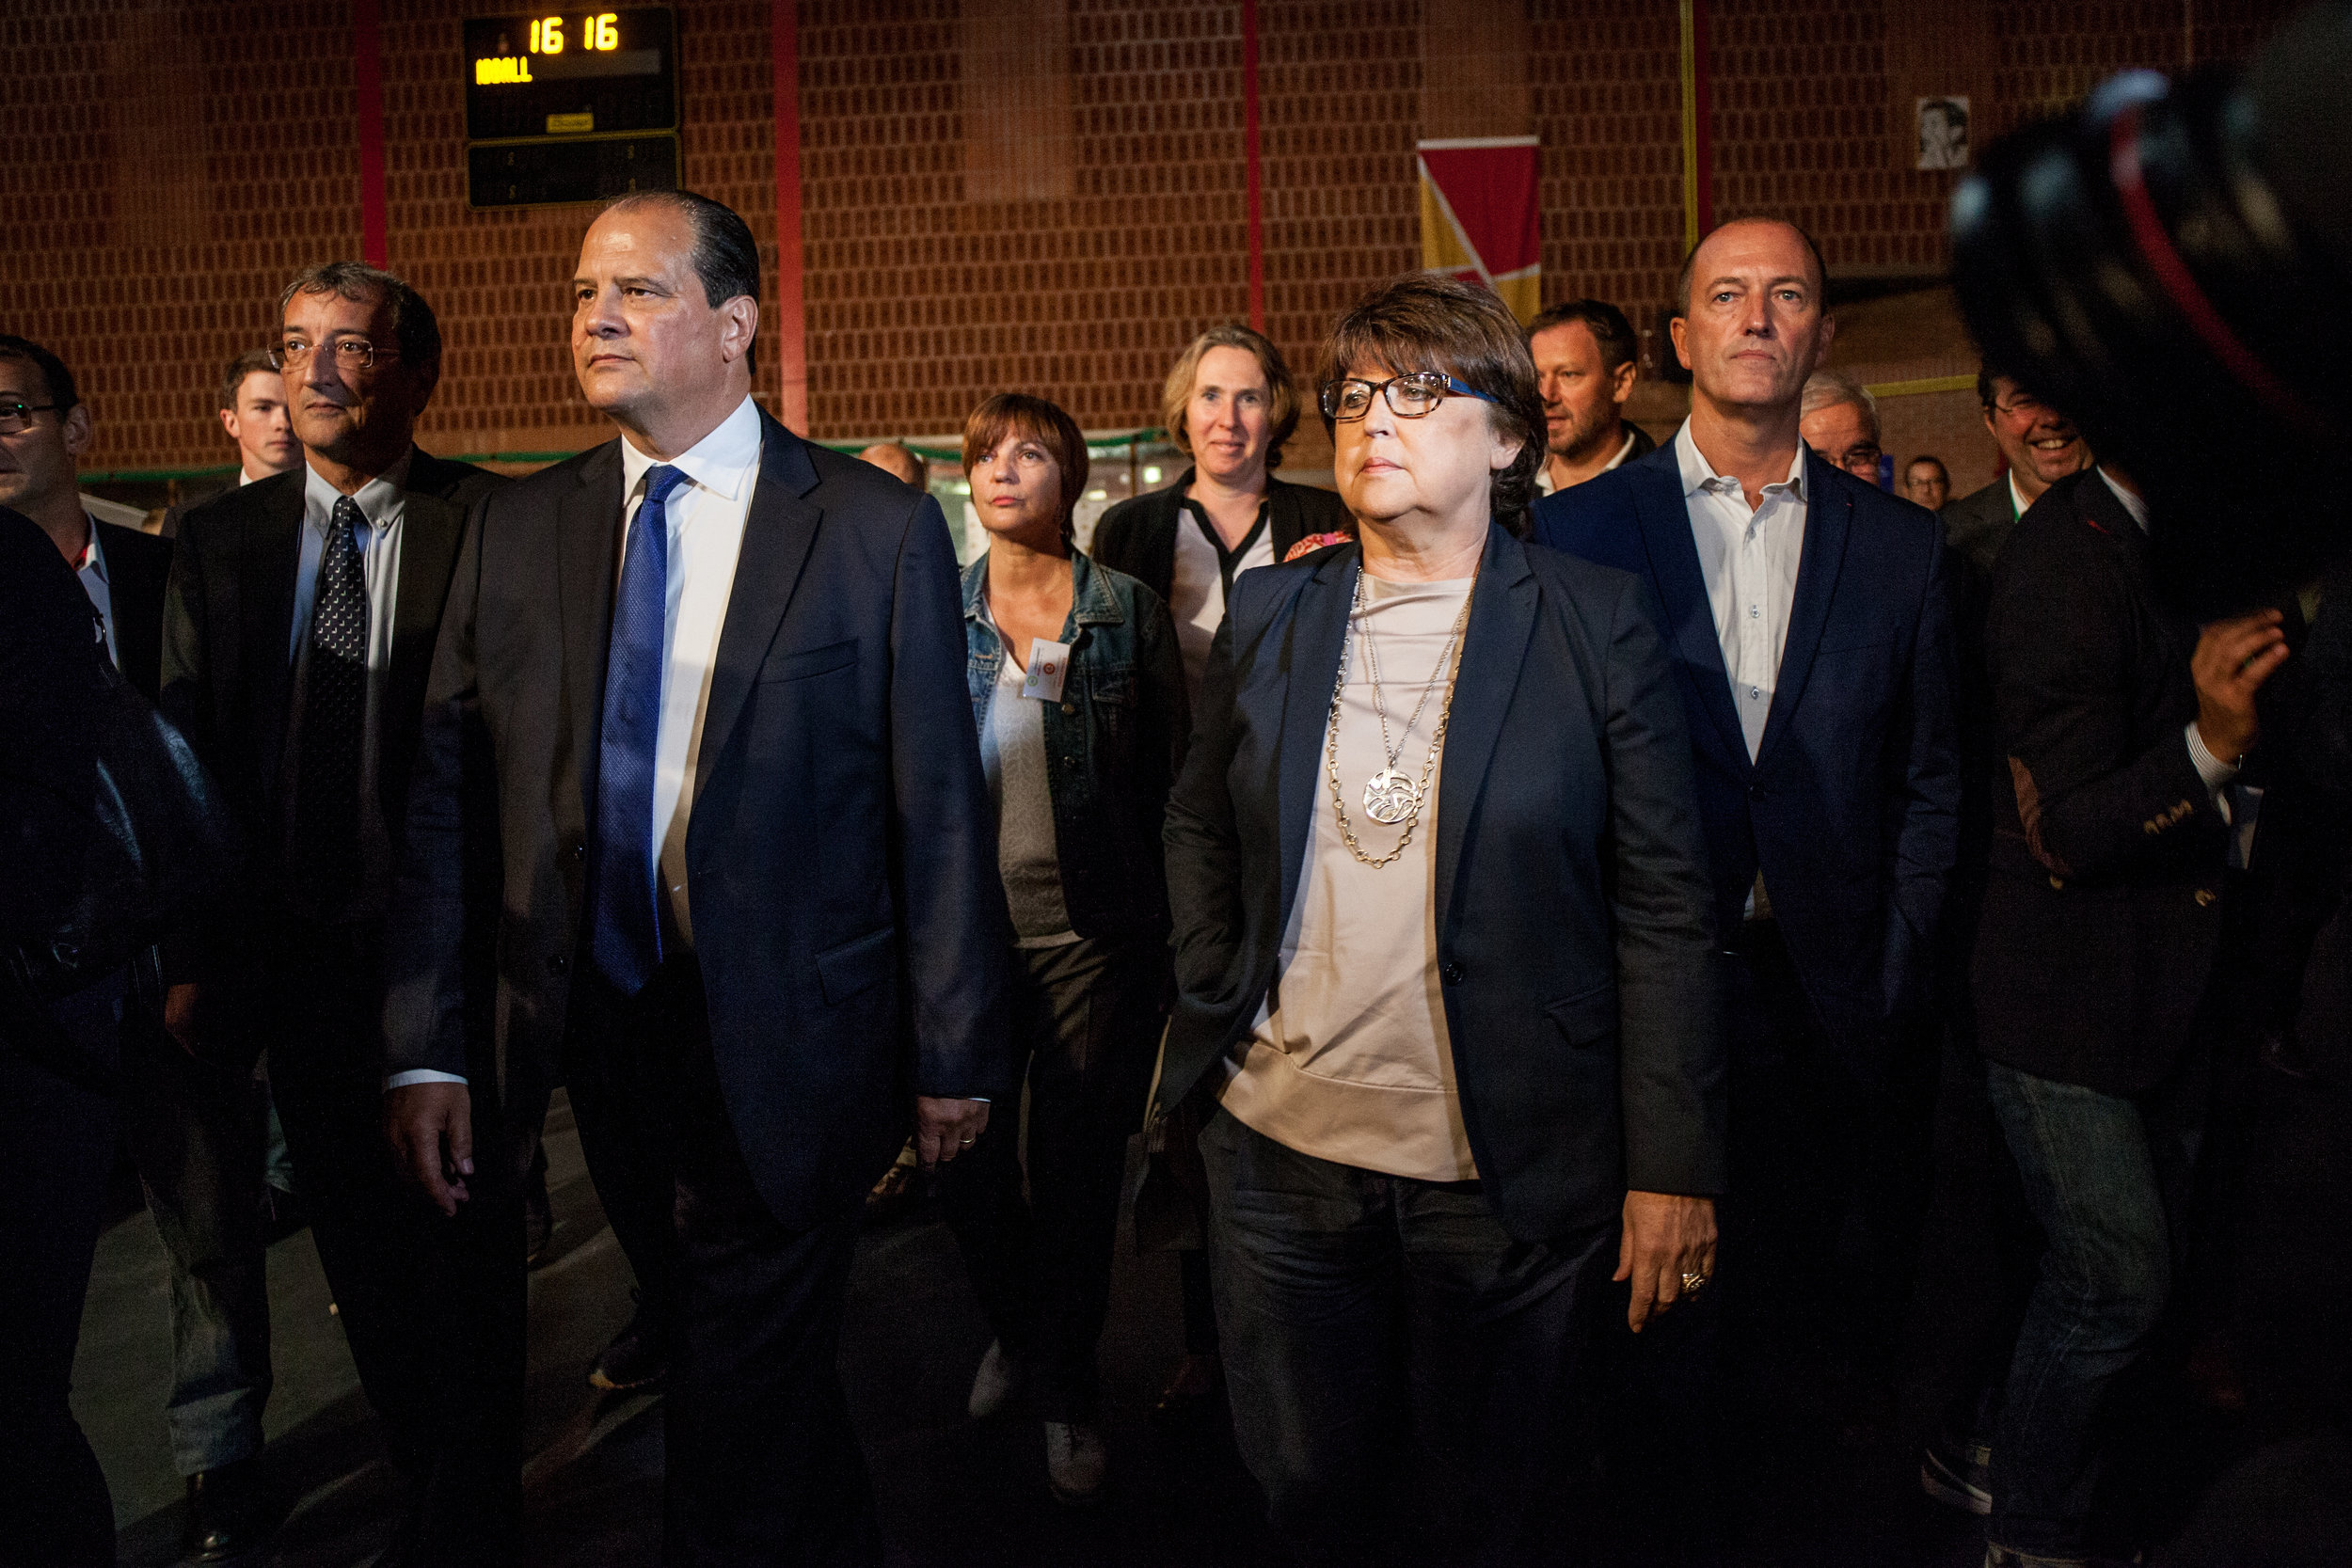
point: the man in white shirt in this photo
(1585, 367)
(298, 630)
(253, 410)
(698, 718)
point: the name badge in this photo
(1048, 663)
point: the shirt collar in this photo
(1699, 475)
(2133, 504)
(93, 555)
(722, 462)
(375, 498)
(2017, 502)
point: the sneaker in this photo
(636, 1358)
(1958, 1475)
(1076, 1462)
(995, 1384)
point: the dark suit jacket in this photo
(138, 571)
(1977, 526)
(849, 919)
(2101, 910)
(1850, 807)
(1138, 535)
(228, 621)
(50, 675)
(1575, 942)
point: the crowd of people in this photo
(1580, 925)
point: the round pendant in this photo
(1389, 798)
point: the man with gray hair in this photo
(298, 628)
(1839, 419)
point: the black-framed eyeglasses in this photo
(1410, 396)
(351, 354)
(17, 417)
(2021, 407)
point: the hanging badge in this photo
(1048, 663)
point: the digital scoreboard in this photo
(570, 106)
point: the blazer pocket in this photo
(855, 965)
(808, 663)
(1589, 1017)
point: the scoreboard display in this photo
(570, 106)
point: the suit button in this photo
(2058, 883)
(579, 851)
(1756, 792)
(558, 964)
(1070, 708)
(1450, 974)
(2205, 895)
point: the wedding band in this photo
(967, 1144)
(1691, 1283)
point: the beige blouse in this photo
(1349, 1059)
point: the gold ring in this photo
(1692, 1284)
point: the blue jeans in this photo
(2106, 1178)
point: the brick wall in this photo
(171, 163)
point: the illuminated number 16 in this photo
(609, 30)
(547, 38)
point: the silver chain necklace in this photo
(1390, 797)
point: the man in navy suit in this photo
(699, 821)
(1805, 612)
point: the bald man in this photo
(895, 458)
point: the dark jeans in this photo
(56, 1147)
(764, 1467)
(1365, 1317)
(198, 1134)
(432, 1308)
(2107, 1178)
(1089, 1013)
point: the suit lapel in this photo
(431, 528)
(273, 554)
(1318, 628)
(778, 531)
(1673, 568)
(1828, 519)
(1494, 649)
(587, 551)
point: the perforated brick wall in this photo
(172, 164)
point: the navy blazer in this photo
(1575, 946)
(1851, 806)
(841, 854)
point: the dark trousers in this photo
(2108, 1179)
(1370, 1318)
(432, 1308)
(198, 1134)
(1089, 1014)
(56, 1149)
(763, 1464)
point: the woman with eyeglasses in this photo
(1077, 689)
(1445, 949)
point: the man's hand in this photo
(945, 1128)
(2232, 659)
(1666, 1236)
(431, 1129)
(184, 1010)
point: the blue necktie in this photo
(625, 940)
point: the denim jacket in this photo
(1113, 744)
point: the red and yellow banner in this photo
(1479, 219)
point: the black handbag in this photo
(160, 855)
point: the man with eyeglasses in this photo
(1839, 420)
(1805, 612)
(301, 621)
(2039, 447)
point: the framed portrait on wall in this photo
(1942, 123)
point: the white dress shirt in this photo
(706, 517)
(91, 569)
(1543, 471)
(1749, 558)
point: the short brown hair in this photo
(1043, 421)
(1425, 321)
(1612, 333)
(1281, 392)
(253, 362)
